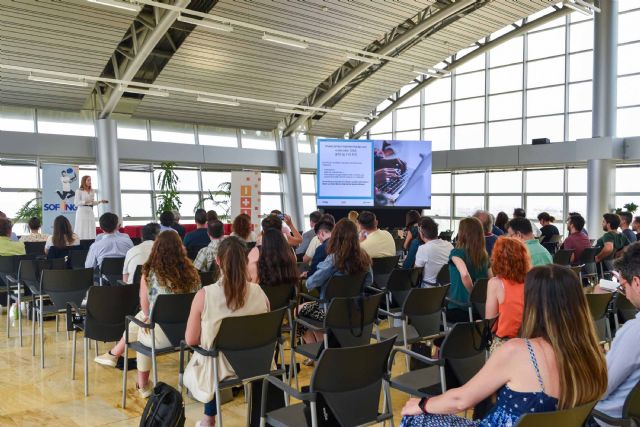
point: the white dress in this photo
(85, 227)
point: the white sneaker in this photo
(145, 391)
(107, 359)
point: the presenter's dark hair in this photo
(167, 218)
(501, 221)
(201, 216)
(62, 232)
(215, 229)
(367, 220)
(109, 222)
(34, 223)
(544, 216)
(150, 231)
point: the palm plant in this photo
(31, 208)
(220, 198)
(169, 198)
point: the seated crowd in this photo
(545, 354)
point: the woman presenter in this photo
(85, 227)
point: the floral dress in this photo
(510, 406)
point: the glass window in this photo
(413, 100)
(437, 114)
(505, 182)
(469, 85)
(627, 179)
(628, 123)
(505, 133)
(130, 180)
(132, 129)
(383, 125)
(270, 202)
(623, 200)
(546, 43)
(212, 180)
(383, 105)
(580, 96)
(628, 58)
(577, 204)
(545, 72)
(550, 24)
(304, 142)
(470, 111)
(469, 182)
(187, 179)
(309, 204)
(474, 64)
(579, 126)
(505, 79)
(439, 90)
(440, 206)
(16, 119)
(411, 135)
(441, 183)
(217, 136)
(270, 182)
(504, 204)
(505, 106)
(581, 36)
(508, 52)
(545, 101)
(545, 181)
(440, 138)
(12, 201)
(581, 66)
(469, 136)
(628, 27)
(549, 204)
(179, 133)
(577, 181)
(190, 202)
(308, 183)
(258, 139)
(627, 5)
(65, 123)
(628, 91)
(408, 118)
(468, 205)
(137, 205)
(18, 177)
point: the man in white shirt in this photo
(377, 243)
(139, 254)
(434, 253)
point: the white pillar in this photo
(292, 183)
(108, 166)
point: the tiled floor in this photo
(31, 396)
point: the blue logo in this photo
(66, 207)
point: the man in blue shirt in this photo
(112, 245)
(323, 230)
(198, 238)
(623, 360)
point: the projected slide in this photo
(380, 173)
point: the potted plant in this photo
(221, 199)
(32, 208)
(169, 198)
(629, 207)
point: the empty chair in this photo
(77, 257)
(111, 270)
(102, 320)
(599, 306)
(400, 283)
(34, 248)
(563, 257)
(444, 277)
(588, 263)
(630, 411)
(353, 395)
(382, 268)
(574, 417)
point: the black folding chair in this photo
(574, 417)
(338, 287)
(588, 263)
(249, 354)
(9, 265)
(444, 276)
(137, 275)
(103, 319)
(111, 270)
(209, 277)
(399, 284)
(170, 312)
(625, 310)
(86, 243)
(563, 257)
(34, 248)
(77, 257)
(382, 268)
(630, 411)
(352, 395)
(477, 300)
(599, 308)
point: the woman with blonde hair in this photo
(556, 365)
(353, 217)
(85, 226)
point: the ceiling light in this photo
(150, 92)
(361, 58)
(119, 4)
(285, 41)
(206, 24)
(230, 102)
(292, 111)
(78, 83)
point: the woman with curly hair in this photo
(510, 263)
(242, 228)
(167, 271)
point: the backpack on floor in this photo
(165, 408)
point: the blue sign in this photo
(59, 186)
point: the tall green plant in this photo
(32, 208)
(169, 198)
(221, 200)
(629, 207)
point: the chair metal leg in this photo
(314, 414)
(19, 314)
(154, 365)
(216, 387)
(387, 395)
(8, 312)
(65, 322)
(443, 380)
(124, 374)
(404, 340)
(33, 329)
(86, 367)
(97, 349)
(41, 323)
(57, 323)
(248, 392)
(73, 357)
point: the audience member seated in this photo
(611, 241)
(323, 230)
(636, 226)
(294, 238)
(510, 263)
(584, 230)
(212, 216)
(547, 369)
(412, 219)
(375, 242)
(139, 254)
(198, 237)
(13, 235)
(7, 246)
(495, 230)
(345, 256)
(176, 224)
(242, 229)
(277, 262)
(268, 222)
(309, 254)
(576, 240)
(502, 219)
(410, 259)
(433, 254)
(626, 219)
(168, 271)
(520, 213)
(112, 245)
(353, 217)
(166, 221)
(487, 227)
(308, 235)
(207, 255)
(232, 295)
(34, 232)
(62, 237)
(623, 360)
(548, 230)
(468, 262)
(520, 228)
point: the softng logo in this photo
(60, 207)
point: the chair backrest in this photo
(399, 245)
(352, 394)
(77, 257)
(382, 268)
(136, 241)
(137, 275)
(574, 417)
(34, 248)
(551, 247)
(345, 286)
(280, 295)
(112, 266)
(9, 264)
(55, 253)
(209, 277)
(401, 281)
(86, 243)
(250, 354)
(64, 286)
(463, 349)
(29, 271)
(351, 320)
(107, 306)
(478, 296)
(171, 312)
(555, 238)
(443, 277)
(423, 307)
(627, 310)
(598, 306)
(631, 408)
(251, 245)
(588, 256)
(563, 257)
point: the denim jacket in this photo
(326, 270)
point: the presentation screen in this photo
(374, 173)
